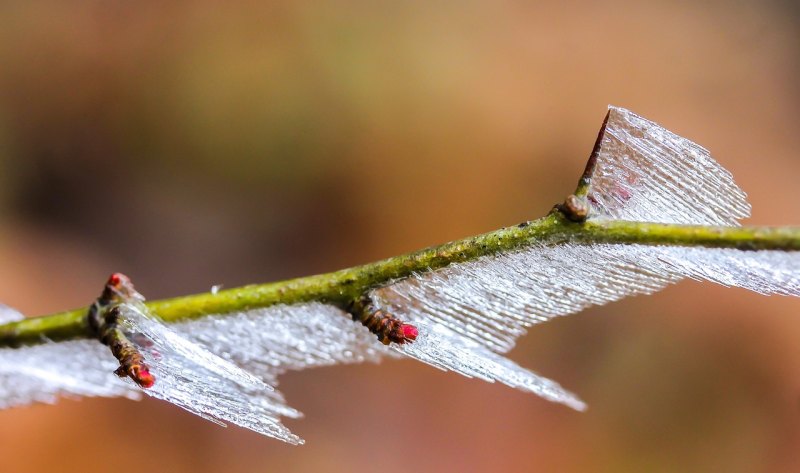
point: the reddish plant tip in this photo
(143, 377)
(117, 279)
(410, 332)
(146, 380)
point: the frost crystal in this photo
(42, 373)
(297, 337)
(493, 299)
(224, 367)
(448, 350)
(293, 343)
(203, 383)
(642, 172)
(7, 314)
(646, 173)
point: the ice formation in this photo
(42, 373)
(224, 367)
(645, 173)
(298, 337)
(203, 383)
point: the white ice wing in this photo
(7, 314)
(273, 340)
(43, 373)
(493, 299)
(445, 349)
(764, 272)
(201, 382)
(641, 172)
(270, 341)
(646, 173)
(221, 367)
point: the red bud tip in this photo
(410, 332)
(116, 279)
(145, 379)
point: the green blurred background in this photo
(198, 143)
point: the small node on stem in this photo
(575, 208)
(384, 325)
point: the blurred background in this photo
(197, 143)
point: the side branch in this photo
(344, 286)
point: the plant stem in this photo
(344, 286)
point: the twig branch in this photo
(344, 286)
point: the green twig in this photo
(344, 286)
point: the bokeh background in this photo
(194, 143)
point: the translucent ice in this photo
(7, 314)
(42, 373)
(646, 173)
(201, 382)
(224, 367)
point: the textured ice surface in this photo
(42, 373)
(270, 341)
(201, 382)
(643, 172)
(7, 314)
(448, 350)
(646, 173)
(765, 272)
(223, 367)
(492, 300)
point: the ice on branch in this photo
(224, 366)
(293, 343)
(7, 314)
(201, 382)
(43, 373)
(449, 350)
(642, 172)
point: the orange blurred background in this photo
(201, 143)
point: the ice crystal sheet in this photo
(764, 272)
(468, 313)
(43, 373)
(448, 350)
(270, 341)
(201, 382)
(642, 172)
(492, 300)
(646, 173)
(7, 314)
(223, 367)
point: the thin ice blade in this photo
(445, 349)
(43, 373)
(201, 382)
(223, 367)
(301, 337)
(493, 299)
(7, 314)
(644, 172)
(270, 341)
